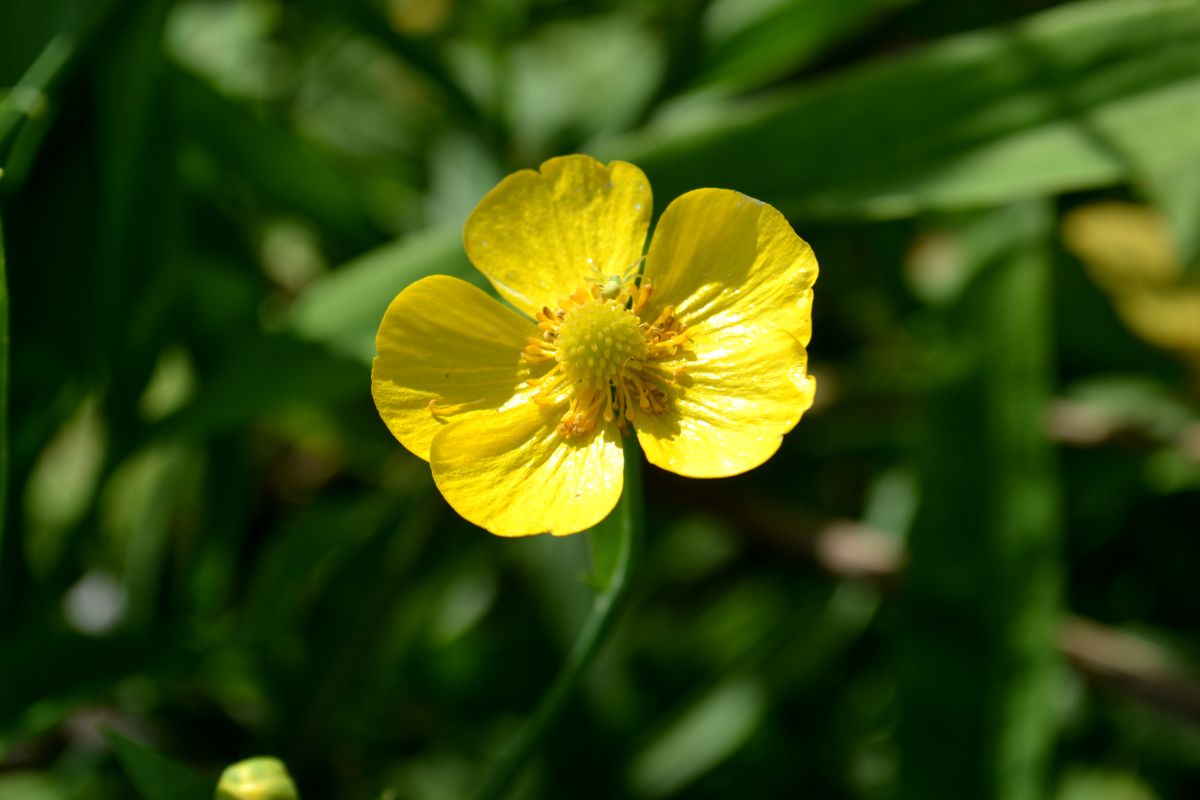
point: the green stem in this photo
(3, 391)
(34, 91)
(980, 601)
(615, 544)
(28, 98)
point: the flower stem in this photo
(3, 401)
(615, 543)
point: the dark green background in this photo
(212, 546)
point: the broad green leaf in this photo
(749, 44)
(343, 309)
(158, 777)
(1155, 130)
(1083, 95)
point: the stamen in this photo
(610, 365)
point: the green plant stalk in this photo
(616, 542)
(25, 100)
(3, 391)
(980, 601)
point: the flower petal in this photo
(740, 280)
(539, 236)
(744, 389)
(443, 340)
(509, 472)
(724, 259)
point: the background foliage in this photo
(970, 572)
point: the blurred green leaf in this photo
(27, 26)
(48, 672)
(1133, 402)
(461, 171)
(134, 232)
(752, 43)
(706, 732)
(34, 785)
(158, 777)
(419, 55)
(279, 165)
(62, 484)
(1087, 94)
(28, 98)
(562, 88)
(62, 31)
(267, 375)
(1177, 192)
(1095, 784)
(317, 545)
(343, 309)
(980, 596)
(143, 500)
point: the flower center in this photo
(610, 364)
(596, 340)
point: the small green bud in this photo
(262, 778)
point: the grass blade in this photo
(980, 601)
(3, 399)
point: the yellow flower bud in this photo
(261, 778)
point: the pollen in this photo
(596, 340)
(608, 362)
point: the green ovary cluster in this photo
(597, 340)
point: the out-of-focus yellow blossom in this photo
(521, 415)
(1129, 252)
(260, 778)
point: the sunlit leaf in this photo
(1083, 95)
(751, 43)
(343, 309)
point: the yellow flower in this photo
(1129, 252)
(520, 415)
(261, 778)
